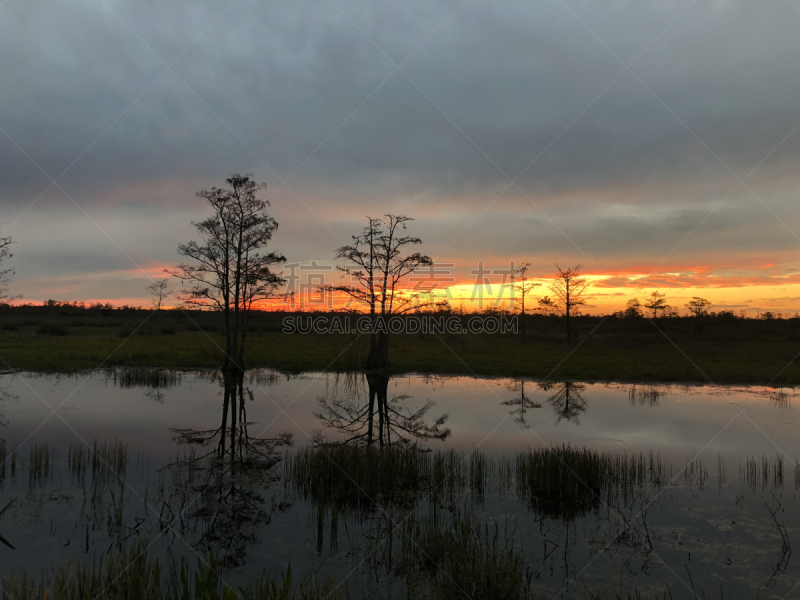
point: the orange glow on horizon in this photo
(749, 287)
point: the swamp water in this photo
(411, 486)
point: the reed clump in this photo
(109, 460)
(352, 478)
(564, 482)
(451, 555)
(763, 472)
(78, 460)
(133, 377)
(129, 574)
(3, 455)
(41, 463)
(102, 464)
(648, 395)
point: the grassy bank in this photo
(725, 351)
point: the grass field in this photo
(725, 351)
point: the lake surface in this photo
(725, 512)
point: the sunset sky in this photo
(654, 143)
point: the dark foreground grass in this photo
(725, 351)
(129, 574)
(482, 568)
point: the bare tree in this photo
(231, 271)
(159, 290)
(377, 263)
(524, 287)
(569, 288)
(5, 274)
(657, 304)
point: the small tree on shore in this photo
(547, 307)
(376, 263)
(159, 291)
(569, 288)
(657, 304)
(5, 274)
(699, 307)
(633, 309)
(230, 269)
(524, 287)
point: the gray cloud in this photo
(511, 76)
(497, 89)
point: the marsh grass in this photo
(56, 329)
(128, 574)
(41, 464)
(109, 460)
(133, 377)
(104, 466)
(564, 482)
(372, 482)
(649, 395)
(351, 478)
(458, 557)
(78, 460)
(561, 482)
(780, 399)
(728, 351)
(695, 473)
(3, 455)
(763, 472)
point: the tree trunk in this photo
(370, 423)
(569, 327)
(378, 395)
(378, 356)
(224, 426)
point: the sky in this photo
(654, 143)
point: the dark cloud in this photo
(623, 163)
(511, 76)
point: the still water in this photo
(724, 512)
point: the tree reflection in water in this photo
(222, 496)
(374, 419)
(567, 401)
(5, 395)
(521, 404)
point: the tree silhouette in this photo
(376, 263)
(5, 274)
(231, 271)
(657, 305)
(633, 309)
(699, 308)
(569, 288)
(158, 290)
(524, 287)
